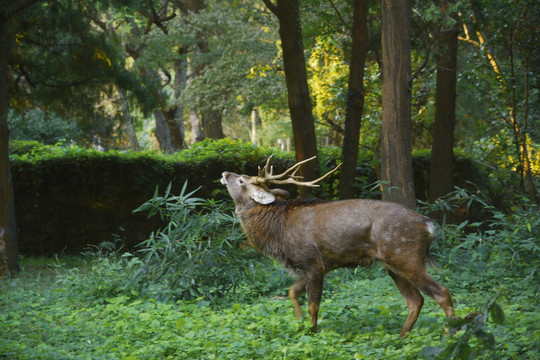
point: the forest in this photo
(118, 117)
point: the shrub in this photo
(194, 255)
(69, 196)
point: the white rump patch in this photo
(430, 228)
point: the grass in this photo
(361, 315)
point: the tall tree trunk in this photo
(132, 135)
(162, 133)
(197, 133)
(396, 158)
(180, 83)
(169, 130)
(175, 127)
(9, 259)
(290, 32)
(255, 124)
(440, 176)
(355, 99)
(211, 122)
(196, 129)
(128, 121)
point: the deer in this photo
(312, 237)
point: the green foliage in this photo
(471, 327)
(109, 185)
(69, 64)
(83, 309)
(46, 128)
(99, 275)
(195, 255)
(496, 256)
(492, 242)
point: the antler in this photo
(266, 175)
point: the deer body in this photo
(313, 237)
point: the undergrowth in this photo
(194, 291)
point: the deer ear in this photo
(261, 196)
(280, 193)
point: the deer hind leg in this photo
(415, 273)
(297, 289)
(414, 300)
(438, 292)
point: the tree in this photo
(290, 32)
(355, 98)
(59, 58)
(510, 48)
(211, 119)
(51, 58)
(442, 153)
(8, 230)
(169, 129)
(396, 158)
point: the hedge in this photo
(68, 198)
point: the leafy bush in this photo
(473, 327)
(493, 239)
(194, 255)
(46, 127)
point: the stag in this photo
(312, 237)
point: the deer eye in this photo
(240, 181)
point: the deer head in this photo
(242, 187)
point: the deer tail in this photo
(429, 257)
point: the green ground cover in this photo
(361, 316)
(171, 299)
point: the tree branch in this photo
(271, 6)
(326, 121)
(21, 4)
(154, 18)
(347, 26)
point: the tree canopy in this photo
(164, 74)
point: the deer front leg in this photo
(314, 285)
(297, 289)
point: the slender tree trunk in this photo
(355, 100)
(9, 259)
(180, 82)
(442, 155)
(132, 135)
(533, 191)
(290, 32)
(396, 158)
(255, 124)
